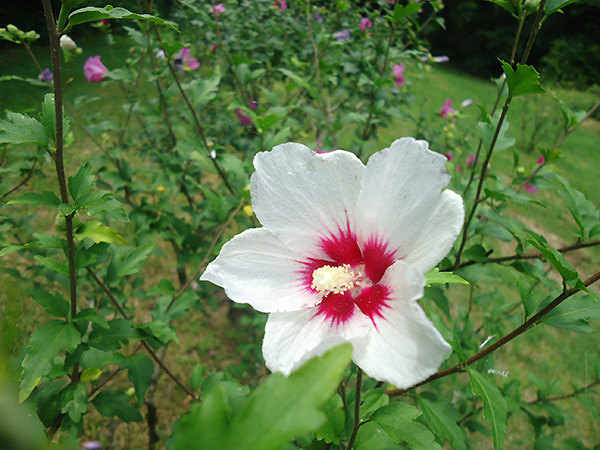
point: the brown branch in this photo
(507, 338)
(22, 182)
(143, 342)
(575, 393)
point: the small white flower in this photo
(341, 256)
(66, 43)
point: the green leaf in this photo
(203, 90)
(299, 81)
(89, 315)
(398, 421)
(494, 406)
(553, 256)
(442, 418)
(122, 266)
(46, 198)
(573, 314)
(119, 331)
(507, 5)
(197, 376)
(55, 305)
(523, 81)
(22, 129)
(571, 118)
(52, 264)
(333, 427)
(75, 401)
(486, 132)
(554, 5)
(434, 276)
(48, 117)
(140, 370)
(283, 408)
(82, 183)
(93, 14)
(371, 436)
(159, 330)
(98, 232)
(115, 403)
(584, 212)
(45, 344)
(401, 12)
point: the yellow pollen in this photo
(337, 280)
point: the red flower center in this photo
(348, 280)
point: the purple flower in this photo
(342, 35)
(398, 72)
(470, 160)
(446, 109)
(318, 17)
(94, 70)
(466, 102)
(93, 445)
(46, 75)
(184, 61)
(365, 23)
(530, 188)
(253, 104)
(243, 118)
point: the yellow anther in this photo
(337, 280)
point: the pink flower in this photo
(218, 9)
(447, 109)
(541, 160)
(281, 5)
(318, 147)
(530, 188)
(459, 168)
(243, 118)
(184, 61)
(397, 72)
(94, 70)
(470, 160)
(213, 47)
(449, 156)
(365, 23)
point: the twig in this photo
(509, 337)
(22, 182)
(359, 375)
(575, 393)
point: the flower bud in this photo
(66, 43)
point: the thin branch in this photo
(575, 393)
(209, 251)
(509, 337)
(22, 182)
(359, 375)
(149, 349)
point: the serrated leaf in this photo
(333, 427)
(159, 330)
(486, 132)
(523, 81)
(75, 401)
(443, 418)
(55, 305)
(140, 369)
(398, 421)
(120, 331)
(98, 232)
(22, 129)
(90, 374)
(52, 264)
(93, 14)
(116, 403)
(434, 276)
(371, 436)
(46, 198)
(82, 182)
(494, 406)
(128, 265)
(45, 344)
(401, 12)
(48, 117)
(204, 90)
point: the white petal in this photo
(300, 195)
(401, 201)
(292, 338)
(404, 347)
(257, 268)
